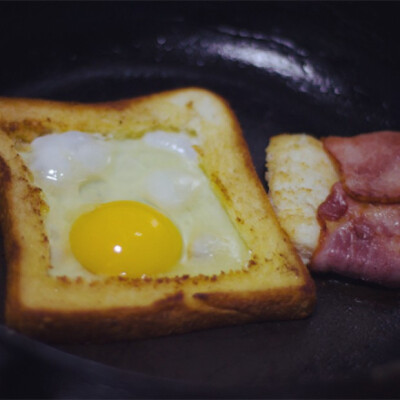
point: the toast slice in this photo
(300, 175)
(273, 285)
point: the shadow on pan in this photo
(318, 68)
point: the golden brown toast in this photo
(300, 176)
(273, 285)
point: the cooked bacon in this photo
(369, 165)
(360, 240)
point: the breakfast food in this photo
(299, 176)
(97, 189)
(345, 196)
(132, 219)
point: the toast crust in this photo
(275, 286)
(299, 176)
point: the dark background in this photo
(323, 68)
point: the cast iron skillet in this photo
(322, 68)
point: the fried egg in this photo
(131, 207)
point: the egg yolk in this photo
(125, 238)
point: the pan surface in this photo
(321, 68)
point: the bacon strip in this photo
(369, 165)
(359, 240)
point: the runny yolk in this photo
(125, 238)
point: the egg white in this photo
(77, 171)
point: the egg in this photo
(127, 234)
(169, 189)
(67, 158)
(131, 207)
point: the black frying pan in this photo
(322, 68)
